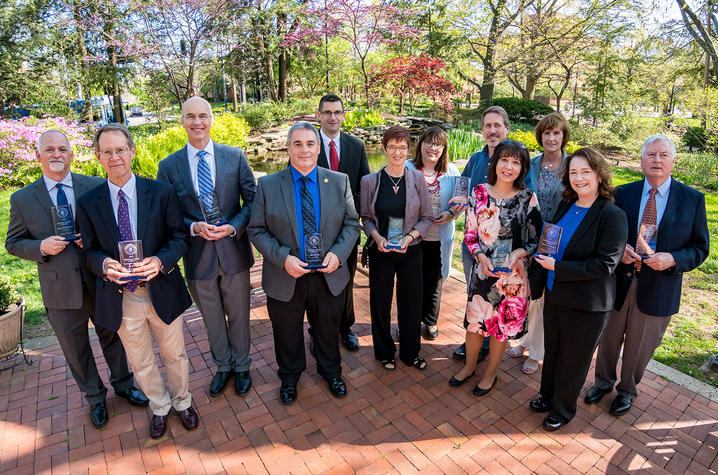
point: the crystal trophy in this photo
(313, 251)
(646, 244)
(500, 256)
(130, 257)
(63, 222)
(395, 233)
(461, 190)
(550, 239)
(210, 209)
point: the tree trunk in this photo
(486, 92)
(283, 74)
(118, 114)
(87, 113)
(528, 92)
(233, 91)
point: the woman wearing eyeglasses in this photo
(395, 212)
(503, 227)
(432, 160)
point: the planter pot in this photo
(11, 329)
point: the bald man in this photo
(65, 287)
(219, 256)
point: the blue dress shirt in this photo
(569, 223)
(478, 168)
(661, 199)
(314, 191)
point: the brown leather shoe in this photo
(158, 426)
(189, 418)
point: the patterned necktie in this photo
(123, 223)
(61, 196)
(333, 156)
(204, 179)
(649, 218)
(309, 224)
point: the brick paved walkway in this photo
(400, 421)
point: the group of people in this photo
(603, 282)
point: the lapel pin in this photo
(326, 180)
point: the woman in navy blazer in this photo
(580, 282)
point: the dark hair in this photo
(510, 148)
(553, 121)
(395, 132)
(598, 164)
(329, 98)
(496, 110)
(438, 134)
(112, 127)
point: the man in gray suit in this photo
(219, 256)
(65, 287)
(293, 208)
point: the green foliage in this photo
(697, 169)
(463, 142)
(523, 109)
(8, 293)
(268, 113)
(694, 138)
(362, 118)
(528, 138)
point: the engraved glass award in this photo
(395, 233)
(210, 209)
(63, 222)
(646, 244)
(313, 251)
(550, 239)
(130, 257)
(461, 190)
(500, 256)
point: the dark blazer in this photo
(30, 222)
(584, 277)
(162, 232)
(683, 231)
(234, 180)
(352, 161)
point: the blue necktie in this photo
(61, 196)
(309, 224)
(123, 223)
(204, 179)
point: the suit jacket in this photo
(352, 161)
(234, 180)
(162, 232)
(683, 232)
(584, 277)
(273, 228)
(30, 222)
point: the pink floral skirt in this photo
(497, 307)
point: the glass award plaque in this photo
(550, 239)
(461, 189)
(313, 251)
(63, 223)
(646, 243)
(500, 256)
(395, 233)
(210, 209)
(130, 257)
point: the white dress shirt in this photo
(66, 187)
(325, 142)
(130, 191)
(194, 163)
(661, 199)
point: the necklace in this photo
(395, 183)
(432, 180)
(549, 165)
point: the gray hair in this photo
(655, 137)
(302, 125)
(112, 127)
(496, 110)
(38, 144)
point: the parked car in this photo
(136, 110)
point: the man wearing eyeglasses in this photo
(346, 154)
(210, 177)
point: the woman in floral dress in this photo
(503, 229)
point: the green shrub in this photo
(8, 293)
(362, 118)
(694, 138)
(697, 169)
(527, 109)
(528, 138)
(463, 142)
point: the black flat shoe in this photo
(621, 405)
(389, 365)
(595, 394)
(98, 415)
(460, 353)
(242, 382)
(431, 332)
(539, 405)
(483, 392)
(455, 383)
(288, 393)
(350, 341)
(134, 396)
(337, 387)
(552, 424)
(219, 382)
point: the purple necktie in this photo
(123, 222)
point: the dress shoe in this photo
(158, 426)
(337, 387)
(552, 424)
(350, 341)
(219, 382)
(134, 396)
(431, 332)
(98, 415)
(620, 405)
(455, 383)
(242, 382)
(288, 393)
(189, 418)
(539, 405)
(483, 392)
(595, 394)
(460, 353)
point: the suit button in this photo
(630, 274)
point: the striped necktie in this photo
(204, 179)
(309, 224)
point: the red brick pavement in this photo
(402, 421)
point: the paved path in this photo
(400, 421)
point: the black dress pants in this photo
(432, 281)
(383, 267)
(570, 338)
(311, 294)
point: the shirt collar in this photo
(50, 183)
(662, 190)
(326, 139)
(129, 188)
(312, 175)
(192, 152)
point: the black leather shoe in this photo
(134, 396)
(337, 387)
(431, 332)
(483, 392)
(455, 383)
(288, 393)
(552, 424)
(242, 382)
(460, 353)
(539, 405)
(158, 426)
(483, 353)
(219, 382)
(595, 394)
(98, 415)
(620, 405)
(350, 340)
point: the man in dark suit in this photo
(650, 275)
(218, 259)
(139, 215)
(346, 154)
(65, 288)
(305, 203)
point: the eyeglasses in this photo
(401, 148)
(435, 145)
(328, 114)
(120, 152)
